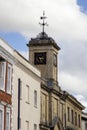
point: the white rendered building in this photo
(27, 78)
(6, 68)
(19, 91)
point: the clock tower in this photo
(43, 53)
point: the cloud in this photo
(72, 58)
(64, 17)
(67, 25)
(83, 100)
(73, 83)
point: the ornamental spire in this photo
(43, 24)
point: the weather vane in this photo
(43, 24)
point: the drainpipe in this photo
(19, 81)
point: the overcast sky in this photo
(67, 21)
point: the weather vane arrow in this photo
(43, 24)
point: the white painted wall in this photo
(28, 111)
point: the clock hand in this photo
(41, 59)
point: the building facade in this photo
(30, 95)
(6, 70)
(26, 80)
(19, 91)
(73, 113)
(84, 121)
(59, 109)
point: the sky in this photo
(67, 25)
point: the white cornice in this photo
(7, 55)
(6, 46)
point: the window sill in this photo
(35, 106)
(27, 102)
(1, 89)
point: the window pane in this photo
(1, 70)
(35, 127)
(35, 98)
(27, 125)
(0, 119)
(86, 126)
(72, 116)
(75, 118)
(68, 113)
(61, 112)
(79, 120)
(8, 120)
(44, 108)
(2, 74)
(27, 93)
(55, 107)
(9, 79)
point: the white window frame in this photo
(2, 76)
(2, 109)
(8, 111)
(9, 78)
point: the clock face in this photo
(55, 59)
(40, 58)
